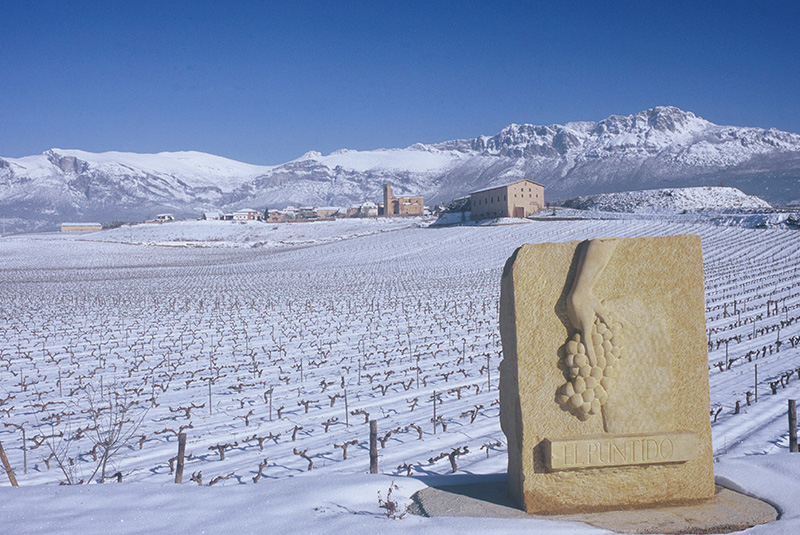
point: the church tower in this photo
(388, 200)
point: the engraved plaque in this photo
(620, 450)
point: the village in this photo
(397, 206)
(518, 199)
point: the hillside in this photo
(663, 147)
(669, 200)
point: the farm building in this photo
(245, 214)
(518, 199)
(327, 211)
(212, 216)
(306, 212)
(368, 209)
(80, 227)
(280, 216)
(400, 205)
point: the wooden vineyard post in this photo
(792, 426)
(181, 453)
(755, 381)
(373, 446)
(346, 411)
(24, 452)
(434, 412)
(488, 372)
(7, 466)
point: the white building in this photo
(246, 214)
(369, 209)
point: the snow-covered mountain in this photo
(659, 148)
(40, 191)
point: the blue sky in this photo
(264, 82)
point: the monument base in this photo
(726, 512)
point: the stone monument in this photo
(604, 381)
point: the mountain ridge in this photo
(656, 148)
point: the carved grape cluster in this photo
(590, 380)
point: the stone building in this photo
(518, 199)
(400, 205)
(327, 211)
(279, 216)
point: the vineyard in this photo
(273, 360)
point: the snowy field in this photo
(247, 233)
(273, 357)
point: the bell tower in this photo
(388, 198)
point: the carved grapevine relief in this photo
(593, 352)
(590, 378)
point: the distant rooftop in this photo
(506, 185)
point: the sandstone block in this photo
(604, 381)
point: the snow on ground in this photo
(669, 200)
(323, 503)
(752, 219)
(287, 348)
(463, 218)
(246, 233)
